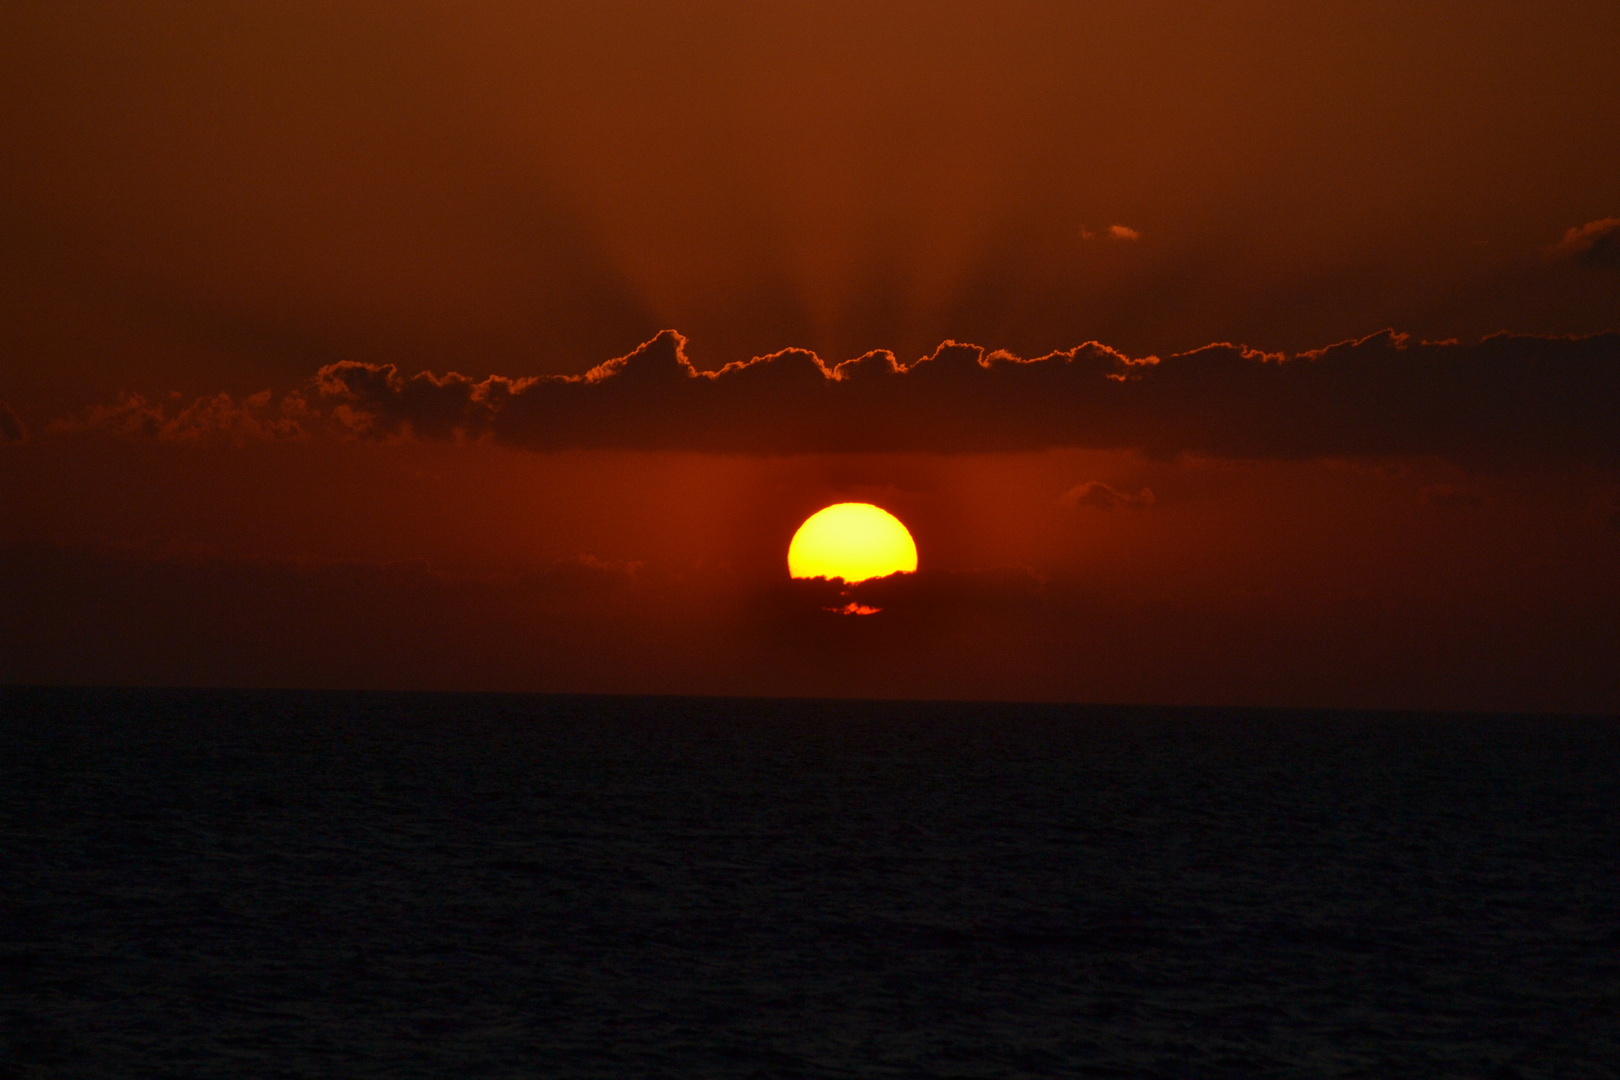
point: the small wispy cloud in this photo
(1099, 496)
(1597, 243)
(1113, 232)
(852, 608)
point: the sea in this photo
(323, 884)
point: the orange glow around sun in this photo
(852, 541)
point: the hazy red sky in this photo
(226, 198)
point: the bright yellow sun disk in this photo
(853, 541)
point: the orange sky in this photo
(226, 199)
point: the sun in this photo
(852, 541)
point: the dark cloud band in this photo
(1504, 400)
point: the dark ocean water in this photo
(210, 884)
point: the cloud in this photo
(1597, 243)
(1113, 232)
(172, 615)
(1505, 399)
(1099, 496)
(12, 429)
(130, 616)
(249, 419)
(930, 604)
(1502, 401)
(90, 615)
